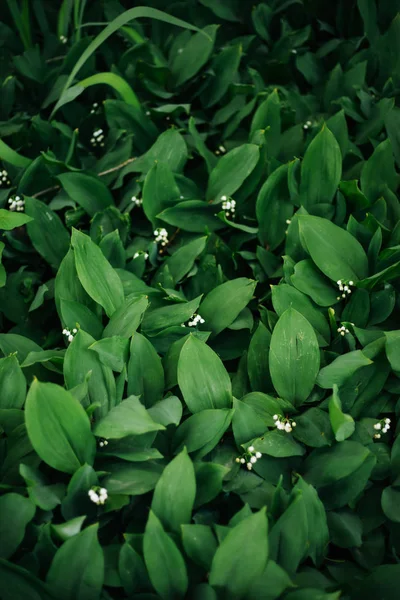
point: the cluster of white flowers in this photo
(382, 425)
(103, 443)
(284, 424)
(4, 179)
(137, 254)
(63, 39)
(229, 206)
(98, 495)
(137, 201)
(344, 288)
(70, 334)
(16, 203)
(196, 319)
(249, 458)
(161, 235)
(221, 150)
(97, 138)
(307, 124)
(95, 106)
(343, 330)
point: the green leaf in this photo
(127, 418)
(182, 261)
(10, 220)
(231, 171)
(267, 117)
(12, 383)
(393, 350)
(164, 562)
(77, 569)
(335, 251)
(345, 528)
(78, 362)
(175, 510)
(223, 304)
(169, 149)
(199, 544)
(15, 514)
(113, 80)
(321, 169)
(343, 425)
(246, 423)
(273, 208)
(58, 427)
(341, 369)
(224, 68)
(278, 444)
(127, 318)
(202, 377)
(159, 191)
(132, 479)
(18, 583)
(48, 235)
(288, 550)
(309, 280)
(203, 429)
(258, 360)
(169, 316)
(87, 191)
(285, 296)
(241, 557)
(193, 55)
(112, 352)
(318, 534)
(192, 215)
(379, 173)
(95, 273)
(294, 357)
(145, 371)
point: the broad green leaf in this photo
(145, 371)
(202, 377)
(115, 81)
(199, 544)
(10, 220)
(58, 427)
(193, 56)
(48, 235)
(345, 528)
(294, 357)
(127, 318)
(12, 383)
(224, 68)
(133, 479)
(165, 564)
(393, 350)
(159, 191)
(341, 369)
(379, 173)
(167, 412)
(278, 444)
(169, 149)
(335, 251)
(241, 556)
(127, 418)
(87, 191)
(78, 362)
(209, 480)
(77, 569)
(112, 352)
(192, 215)
(15, 514)
(231, 171)
(246, 423)
(321, 169)
(267, 117)
(342, 424)
(273, 208)
(182, 261)
(169, 316)
(258, 360)
(95, 273)
(175, 510)
(18, 583)
(202, 428)
(285, 296)
(318, 534)
(288, 550)
(309, 280)
(223, 304)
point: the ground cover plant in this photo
(199, 301)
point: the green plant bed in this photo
(199, 300)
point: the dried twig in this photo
(54, 188)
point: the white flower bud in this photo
(258, 455)
(275, 417)
(250, 448)
(377, 426)
(249, 466)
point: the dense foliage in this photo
(199, 301)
